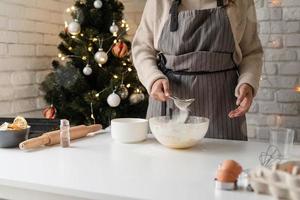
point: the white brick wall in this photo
(277, 102)
(28, 40)
(276, 98)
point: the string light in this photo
(95, 39)
(115, 76)
(81, 34)
(73, 8)
(70, 48)
(124, 64)
(297, 88)
(128, 85)
(59, 55)
(68, 10)
(129, 69)
(276, 3)
(115, 41)
(84, 57)
(63, 58)
(90, 49)
(73, 36)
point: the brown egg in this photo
(225, 176)
(232, 166)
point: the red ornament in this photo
(49, 112)
(120, 49)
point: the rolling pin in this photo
(53, 137)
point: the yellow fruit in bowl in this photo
(19, 123)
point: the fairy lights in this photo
(297, 88)
(276, 3)
(128, 85)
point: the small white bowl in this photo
(129, 130)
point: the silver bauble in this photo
(101, 57)
(113, 100)
(87, 70)
(114, 28)
(74, 28)
(136, 98)
(98, 4)
(123, 92)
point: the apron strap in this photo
(222, 3)
(174, 15)
(174, 12)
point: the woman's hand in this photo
(160, 90)
(243, 102)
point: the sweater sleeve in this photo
(143, 51)
(251, 65)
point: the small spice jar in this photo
(65, 133)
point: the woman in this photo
(206, 49)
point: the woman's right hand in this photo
(160, 90)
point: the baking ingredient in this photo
(172, 134)
(228, 171)
(182, 105)
(19, 123)
(65, 133)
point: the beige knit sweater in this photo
(242, 16)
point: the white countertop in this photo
(99, 168)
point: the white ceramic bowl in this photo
(179, 135)
(129, 130)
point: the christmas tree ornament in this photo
(87, 70)
(98, 4)
(123, 91)
(113, 100)
(136, 98)
(74, 27)
(101, 57)
(114, 29)
(120, 49)
(50, 112)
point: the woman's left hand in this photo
(243, 102)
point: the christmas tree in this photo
(94, 81)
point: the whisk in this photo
(270, 157)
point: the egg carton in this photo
(282, 181)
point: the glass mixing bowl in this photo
(177, 135)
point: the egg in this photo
(225, 176)
(232, 166)
(229, 171)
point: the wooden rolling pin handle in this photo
(94, 128)
(34, 142)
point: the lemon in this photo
(20, 122)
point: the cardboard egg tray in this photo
(277, 182)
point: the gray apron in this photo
(197, 49)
